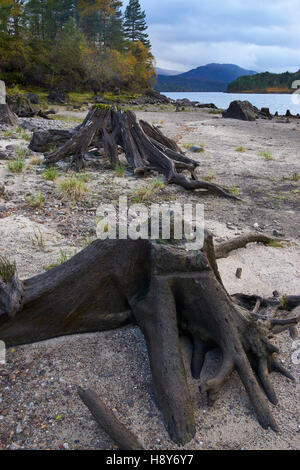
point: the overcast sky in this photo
(255, 34)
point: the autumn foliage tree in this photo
(71, 45)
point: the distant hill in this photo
(166, 72)
(211, 77)
(265, 83)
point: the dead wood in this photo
(7, 116)
(168, 292)
(223, 249)
(108, 421)
(145, 147)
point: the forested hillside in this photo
(210, 77)
(265, 83)
(75, 45)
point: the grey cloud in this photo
(262, 35)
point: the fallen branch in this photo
(223, 249)
(105, 418)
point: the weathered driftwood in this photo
(167, 291)
(108, 421)
(223, 249)
(145, 147)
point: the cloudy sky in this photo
(258, 34)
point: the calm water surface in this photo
(275, 102)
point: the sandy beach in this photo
(39, 405)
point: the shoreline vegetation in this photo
(266, 83)
(268, 91)
(75, 46)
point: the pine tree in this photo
(135, 25)
(116, 36)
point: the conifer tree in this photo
(135, 25)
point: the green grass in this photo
(7, 269)
(188, 145)
(63, 258)
(16, 166)
(7, 133)
(158, 183)
(21, 152)
(145, 193)
(215, 111)
(74, 187)
(142, 194)
(295, 177)
(240, 149)
(83, 177)
(120, 171)
(18, 89)
(62, 117)
(275, 244)
(37, 240)
(50, 174)
(266, 156)
(234, 190)
(36, 200)
(80, 98)
(284, 302)
(210, 177)
(23, 134)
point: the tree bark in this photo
(167, 291)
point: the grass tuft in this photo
(120, 171)
(158, 183)
(16, 166)
(21, 152)
(50, 174)
(7, 269)
(36, 200)
(266, 156)
(234, 190)
(74, 187)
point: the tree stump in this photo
(145, 147)
(7, 116)
(168, 292)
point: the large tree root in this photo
(167, 292)
(145, 147)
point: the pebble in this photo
(19, 429)
(239, 273)
(196, 149)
